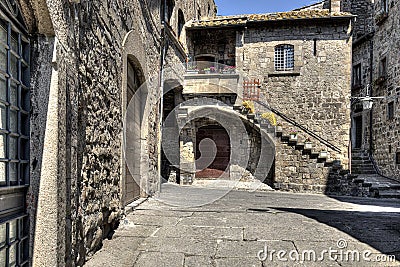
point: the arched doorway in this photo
(214, 149)
(134, 115)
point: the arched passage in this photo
(251, 148)
(134, 97)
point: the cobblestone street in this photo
(242, 227)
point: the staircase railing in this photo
(378, 171)
(303, 128)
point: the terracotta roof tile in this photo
(220, 21)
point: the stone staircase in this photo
(367, 177)
(311, 150)
(361, 164)
(363, 181)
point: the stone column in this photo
(187, 156)
(49, 237)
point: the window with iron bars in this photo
(284, 57)
(14, 136)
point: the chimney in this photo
(335, 6)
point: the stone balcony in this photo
(210, 84)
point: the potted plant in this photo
(192, 69)
(251, 116)
(293, 135)
(307, 144)
(213, 70)
(323, 154)
(279, 127)
(229, 69)
(270, 117)
(249, 106)
(207, 71)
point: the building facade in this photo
(69, 71)
(301, 62)
(375, 74)
(103, 101)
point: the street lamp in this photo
(368, 101)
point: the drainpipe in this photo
(371, 72)
(161, 86)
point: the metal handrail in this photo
(303, 128)
(378, 171)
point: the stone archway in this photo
(243, 137)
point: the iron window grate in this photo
(14, 140)
(284, 57)
(14, 106)
(14, 244)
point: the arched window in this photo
(284, 57)
(181, 22)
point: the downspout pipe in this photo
(371, 72)
(163, 49)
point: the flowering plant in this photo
(229, 68)
(248, 105)
(270, 117)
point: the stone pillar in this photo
(187, 156)
(49, 237)
(335, 6)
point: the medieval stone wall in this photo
(386, 131)
(217, 43)
(90, 56)
(315, 93)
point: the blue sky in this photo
(235, 7)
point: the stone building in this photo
(68, 71)
(375, 130)
(301, 63)
(102, 101)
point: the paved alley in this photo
(254, 229)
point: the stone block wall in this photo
(364, 23)
(217, 43)
(90, 68)
(316, 93)
(386, 131)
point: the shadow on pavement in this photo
(395, 203)
(380, 230)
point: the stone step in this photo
(385, 186)
(360, 161)
(365, 166)
(359, 157)
(359, 154)
(389, 194)
(363, 170)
